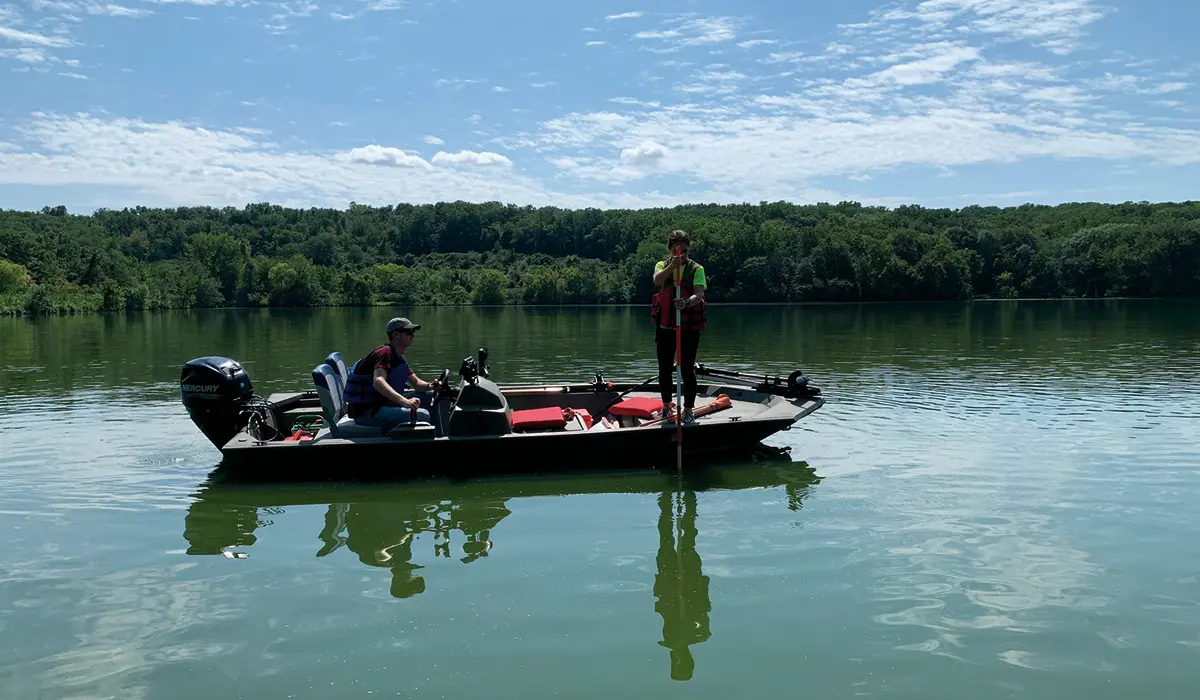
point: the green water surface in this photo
(997, 501)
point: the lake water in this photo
(997, 501)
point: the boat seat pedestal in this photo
(413, 431)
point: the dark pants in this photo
(665, 340)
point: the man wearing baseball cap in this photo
(376, 390)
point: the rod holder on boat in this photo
(794, 386)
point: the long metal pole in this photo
(678, 374)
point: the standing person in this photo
(376, 390)
(693, 318)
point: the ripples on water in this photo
(1018, 524)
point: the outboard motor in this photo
(480, 408)
(215, 390)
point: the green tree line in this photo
(450, 253)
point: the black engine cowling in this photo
(214, 390)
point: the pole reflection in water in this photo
(379, 525)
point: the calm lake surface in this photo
(999, 500)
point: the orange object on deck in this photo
(721, 403)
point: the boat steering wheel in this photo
(440, 391)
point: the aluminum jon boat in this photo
(487, 428)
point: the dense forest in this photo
(460, 253)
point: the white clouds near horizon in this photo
(676, 108)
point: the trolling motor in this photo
(795, 386)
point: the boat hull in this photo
(737, 432)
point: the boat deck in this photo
(744, 405)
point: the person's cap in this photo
(401, 324)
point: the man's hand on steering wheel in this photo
(439, 386)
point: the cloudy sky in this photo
(320, 103)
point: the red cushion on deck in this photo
(550, 417)
(638, 407)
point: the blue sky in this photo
(614, 104)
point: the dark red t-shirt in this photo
(380, 358)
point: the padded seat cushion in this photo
(549, 418)
(337, 363)
(347, 428)
(329, 391)
(637, 407)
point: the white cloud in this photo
(288, 11)
(27, 55)
(382, 155)
(174, 163)
(486, 159)
(634, 101)
(456, 82)
(198, 3)
(384, 5)
(1165, 88)
(113, 10)
(933, 85)
(596, 43)
(685, 33)
(21, 37)
(1027, 70)
(944, 59)
(1056, 25)
(625, 15)
(74, 76)
(1064, 95)
(932, 100)
(646, 154)
(565, 163)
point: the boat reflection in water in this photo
(379, 524)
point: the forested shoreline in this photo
(456, 253)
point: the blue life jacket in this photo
(360, 388)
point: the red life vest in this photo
(662, 305)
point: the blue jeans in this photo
(388, 417)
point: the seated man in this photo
(375, 389)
